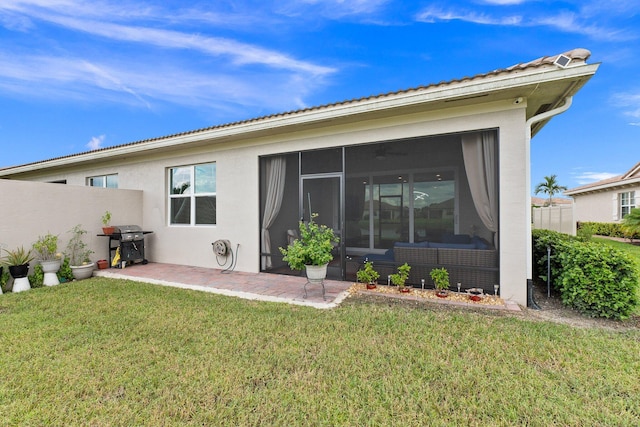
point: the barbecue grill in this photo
(130, 240)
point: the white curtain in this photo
(276, 168)
(479, 152)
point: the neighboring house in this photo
(608, 200)
(447, 159)
(539, 202)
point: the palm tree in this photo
(550, 186)
(631, 223)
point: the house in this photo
(442, 163)
(608, 200)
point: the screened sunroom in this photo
(429, 201)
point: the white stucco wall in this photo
(602, 206)
(238, 184)
(32, 209)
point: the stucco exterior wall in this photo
(238, 185)
(32, 209)
(600, 206)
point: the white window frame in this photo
(191, 195)
(627, 202)
(92, 180)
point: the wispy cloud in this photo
(575, 22)
(96, 142)
(583, 178)
(629, 103)
(222, 72)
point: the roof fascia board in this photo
(603, 187)
(445, 91)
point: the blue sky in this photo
(79, 75)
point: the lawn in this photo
(109, 352)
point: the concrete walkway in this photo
(254, 286)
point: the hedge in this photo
(593, 278)
(611, 229)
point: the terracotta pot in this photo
(371, 285)
(475, 297)
(405, 290)
(102, 264)
(108, 230)
(442, 294)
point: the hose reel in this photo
(222, 250)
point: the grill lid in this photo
(128, 232)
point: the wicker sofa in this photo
(473, 267)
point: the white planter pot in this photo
(82, 271)
(50, 268)
(316, 273)
(21, 284)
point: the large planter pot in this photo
(82, 271)
(316, 273)
(19, 271)
(19, 274)
(50, 268)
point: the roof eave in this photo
(429, 95)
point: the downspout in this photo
(529, 124)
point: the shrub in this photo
(611, 229)
(36, 280)
(598, 280)
(593, 278)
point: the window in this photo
(192, 195)
(104, 181)
(627, 202)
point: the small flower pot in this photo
(102, 264)
(405, 290)
(442, 293)
(108, 230)
(475, 298)
(371, 285)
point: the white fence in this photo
(556, 218)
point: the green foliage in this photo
(77, 250)
(65, 274)
(4, 278)
(585, 233)
(598, 280)
(36, 280)
(611, 229)
(401, 276)
(18, 256)
(46, 247)
(367, 274)
(106, 218)
(312, 248)
(550, 187)
(631, 223)
(440, 277)
(593, 278)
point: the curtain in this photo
(276, 168)
(479, 152)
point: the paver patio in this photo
(255, 286)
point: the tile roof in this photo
(631, 176)
(576, 55)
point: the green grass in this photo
(106, 352)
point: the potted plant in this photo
(440, 277)
(78, 253)
(18, 262)
(368, 275)
(106, 223)
(46, 251)
(401, 277)
(312, 251)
